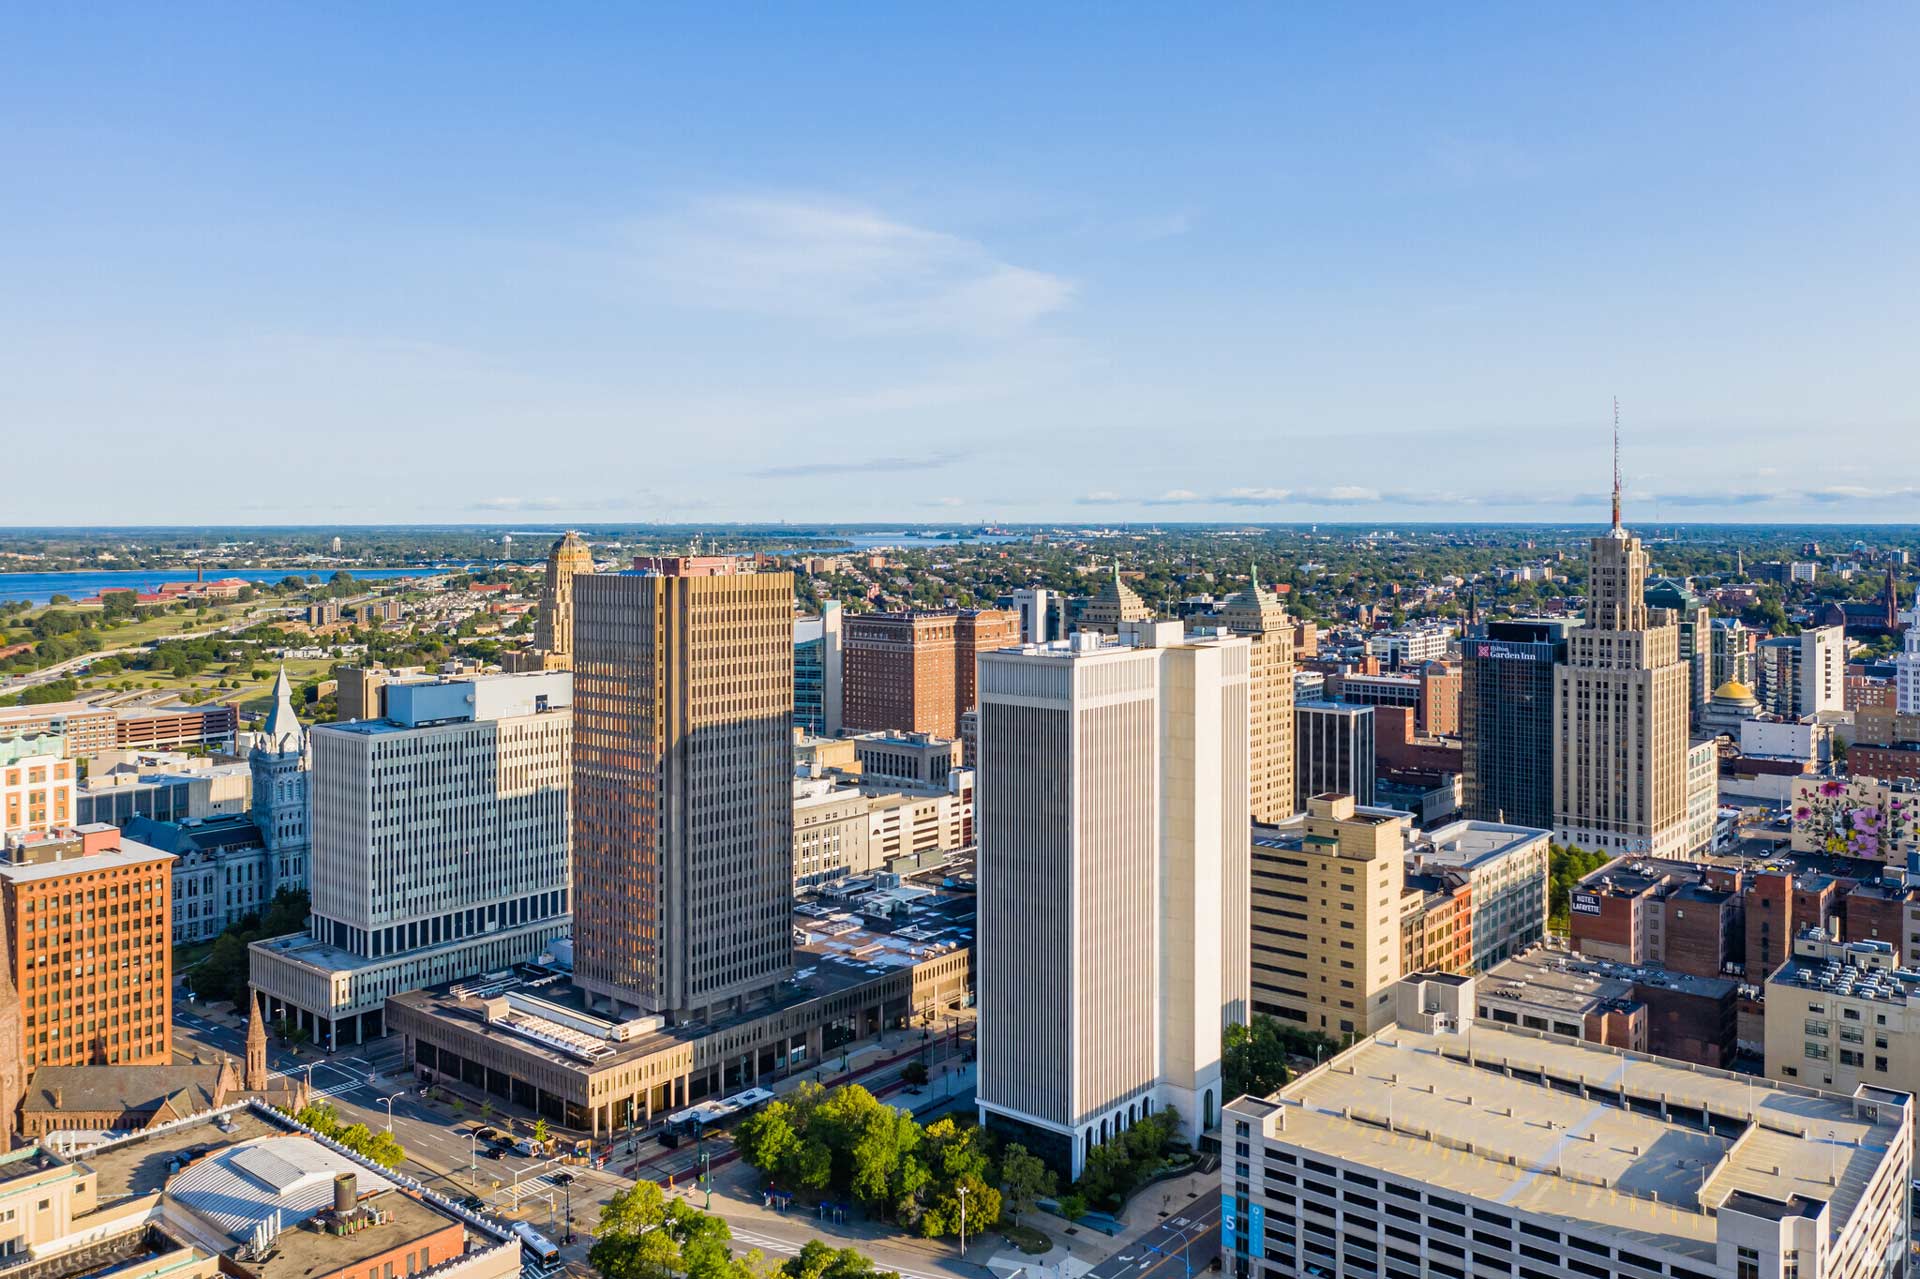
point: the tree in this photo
(1253, 1058)
(1567, 866)
(817, 1260)
(540, 1130)
(1024, 1178)
(643, 1236)
(914, 1073)
(767, 1141)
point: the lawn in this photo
(255, 696)
(1025, 1238)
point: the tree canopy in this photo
(849, 1142)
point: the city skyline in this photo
(928, 267)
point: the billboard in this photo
(1586, 904)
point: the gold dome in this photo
(1734, 691)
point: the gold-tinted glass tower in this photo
(683, 801)
(1621, 711)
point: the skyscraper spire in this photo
(1616, 464)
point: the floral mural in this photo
(1862, 818)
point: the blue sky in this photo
(467, 262)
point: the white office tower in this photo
(1035, 604)
(1906, 667)
(442, 849)
(1113, 872)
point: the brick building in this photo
(916, 671)
(89, 931)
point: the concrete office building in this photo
(1906, 666)
(850, 827)
(441, 837)
(36, 785)
(911, 757)
(87, 922)
(1507, 725)
(1703, 796)
(1843, 1014)
(1038, 608)
(1326, 925)
(1113, 882)
(86, 730)
(1620, 699)
(683, 785)
(1448, 1146)
(1258, 614)
(1334, 750)
(1731, 647)
(1506, 868)
(540, 1045)
(819, 678)
(914, 672)
(1802, 675)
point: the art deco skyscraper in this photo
(1621, 710)
(683, 792)
(1114, 882)
(1259, 615)
(552, 650)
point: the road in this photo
(49, 674)
(440, 1150)
(1183, 1244)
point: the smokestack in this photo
(346, 1192)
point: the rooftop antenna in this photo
(1616, 464)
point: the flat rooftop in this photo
(1441, 1109)
(1558, 979)
(1469, 844)
(140, 1165)
(128, 854)
(851, 936)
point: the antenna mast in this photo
(1616, 463)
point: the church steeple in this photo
(282, 732)
(254, 1078)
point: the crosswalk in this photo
(787, 1248)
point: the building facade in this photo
(441, 842)
(36, 784)
(1418, 1153)
(1326, 923)
(1507, 724)
(915, 672)
(683, 786)
(1621, 711)
(1334, 750)
(1258, 614)
(281, 796)
(819, 689)
(90, 947)
(1113, 879)
(1506, 867)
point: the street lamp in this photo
(473, 1137)
(963, 1220)
(389, 1102)
(706, 1177)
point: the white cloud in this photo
(842, 264)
